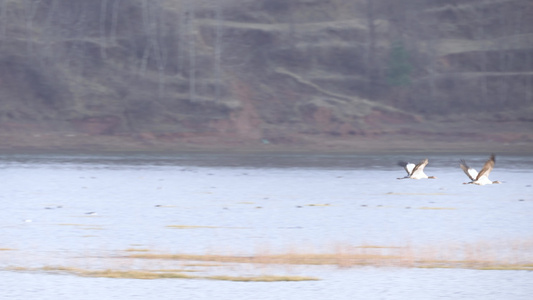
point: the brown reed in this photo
(516, 255)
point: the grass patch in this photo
(138, 262)
(137, 250)
(402, 259)
(494, 255)
(205, 265)
(280, 259)
(132, 274)
(525, 267)
(475, 265)
(156, 274)
(175, 271)
(263, 278)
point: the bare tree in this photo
(75, 57)
(479, 18)
(191, 30)
(503, 57)
(182, 30)
(114, 21)
(529, 61)
(158, 38)
(3, 18)
(102, 27)
(218, 48)
(529, 78)
(522, 16)
(49, 34)
(145, 7)
(30, 9)
(154, 25)
(371, 66)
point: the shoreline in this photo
(380, 144)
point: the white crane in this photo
(415, 171)
(481, 178)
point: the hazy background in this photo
(299, 74)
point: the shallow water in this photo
(364, 283)
(257, 202)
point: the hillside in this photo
(261, 74)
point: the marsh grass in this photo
(262, 278)
(107, 273)
(175, 270)
(137, 250)
(277, 259)
(157, 274)
(494, 255)
(142, 263)
(207, 265)
(132, 274)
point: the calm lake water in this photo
(60, 208)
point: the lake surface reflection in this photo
(60, 207)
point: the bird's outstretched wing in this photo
(471, 173)
(420, 166)
(407, 166)
(487, 167)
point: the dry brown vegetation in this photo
(157, 274)
(508, 255)
(144, 263)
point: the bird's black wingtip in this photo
(402, 163)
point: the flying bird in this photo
(415, 171)
(481, 178)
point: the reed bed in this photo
(144, 263)
(493, 255)
(158, 274)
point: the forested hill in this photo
(271, 71)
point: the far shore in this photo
(371, 144)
